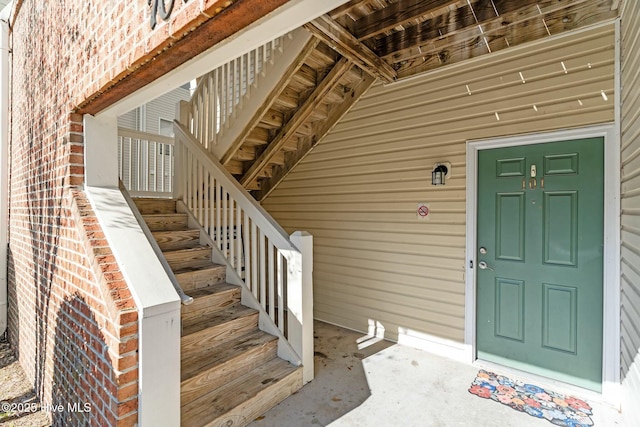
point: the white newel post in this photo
(300, 301)
(182, 116)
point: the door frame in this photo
(611, 256)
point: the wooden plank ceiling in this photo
(393, 39)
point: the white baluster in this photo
(280, 283)
(254, 259)
(238, 239)
(263, 272)
(246, 251)
(271, 281)
(230, 233)
(207, 190)
(225, 230)
(218, 197)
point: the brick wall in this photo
(71, 316)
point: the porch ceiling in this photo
(393, 39)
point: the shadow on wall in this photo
(77, 379)
(630, 377)
(38, 157)
(13, 310)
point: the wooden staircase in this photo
(315, 92)
(230, 372)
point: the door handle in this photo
(484, 266)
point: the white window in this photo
(166, 127)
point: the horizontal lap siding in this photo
(164, 107)
(630, 251)
(357, 192)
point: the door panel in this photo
(539, 305)
(510, 309)
(510, 224)
(561, 228)
(559, 320)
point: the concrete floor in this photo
(367, 382)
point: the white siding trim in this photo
(611, 291)
(611, 385)
(630, 147)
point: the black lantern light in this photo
(438, 174)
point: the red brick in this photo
(127, 392)
(129, 420)
(62, 268)
(128, 407)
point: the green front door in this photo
(540, 259)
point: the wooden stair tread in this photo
(242, 400)
(176, 239)
(225, 352)
(196, 266)
(198, 342)
(208, 299)
(195, 255)
(219, 317)
(166, 221)
(198, 278)
(204, 372)
(195, 248)
(150, 205)
(212, 290)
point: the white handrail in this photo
(274, 270)
(146, 162)
(138, 134)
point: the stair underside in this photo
(318, 91)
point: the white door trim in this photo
(611, 276)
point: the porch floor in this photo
(369, 382)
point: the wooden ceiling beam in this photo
(337, 37)
(417, 41)
(401, 13)
(345, 9)
(327, 84)
(321, 129)
(499, 37)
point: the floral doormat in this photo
(556, 408)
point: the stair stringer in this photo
(184, 298)
(285, 350)
(271, 75)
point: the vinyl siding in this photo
(164, 107)
(630, 251)
(358, 191)
(129, 120)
